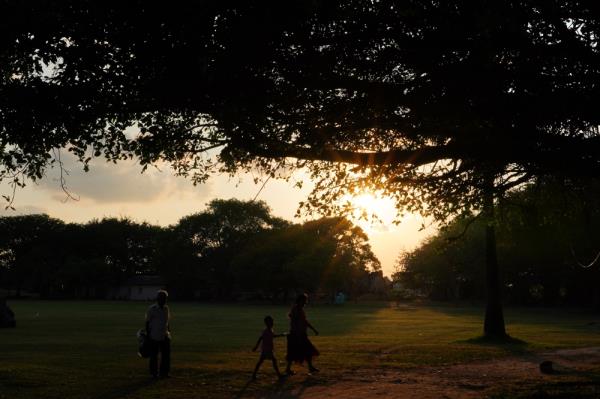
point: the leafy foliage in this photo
(546, 245)
(424, 99)
(326, 255)
(47, 256)
(232, 247)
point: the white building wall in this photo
(143, 292)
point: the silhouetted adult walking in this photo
(299, 347)
(157, 328)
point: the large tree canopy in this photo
(427, 92)
(443, 105)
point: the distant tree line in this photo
(547, 244)
(231, 250)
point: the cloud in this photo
(119, 183)
(22, 210)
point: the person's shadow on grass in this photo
(279, 388)
(127, 390)
(244, 389)
(251, 381)
(284, 390)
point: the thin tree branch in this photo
(465, 229)
(62, 180)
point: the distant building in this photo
(138, 288)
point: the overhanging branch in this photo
(416, 157)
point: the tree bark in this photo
(494, 315)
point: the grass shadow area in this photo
(576, 389)
(292, 389)
(542, 328)
(508, 344)
(123, 391)
(506, 341)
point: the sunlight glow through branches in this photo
(371, 211)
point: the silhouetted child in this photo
(267, 347)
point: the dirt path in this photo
(473, 380)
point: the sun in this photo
(371, 211)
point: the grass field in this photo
(88, 349)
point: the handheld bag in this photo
(144, 344)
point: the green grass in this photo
(88, 349)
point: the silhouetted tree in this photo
(545, 241)
(197, 252)
(327, 255)
(441, 105)
(52, 258)
(29, 249)
(232, 245)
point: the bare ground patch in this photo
(576, 376)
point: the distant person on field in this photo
(299, 347)
(340, 298)
(266, 351)
(7, 316)
(157, 328)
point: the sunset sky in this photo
(161, 198)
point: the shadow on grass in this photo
(555, 390)
(295, 389)
(507, 343)
(285, 388)
(280, 389)
(578, 319)
(122, 391)
(244, 389)
(502, 340)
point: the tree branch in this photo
(465, 229)
(416, 157)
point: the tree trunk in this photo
(494, 316)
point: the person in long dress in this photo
(299, 347)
